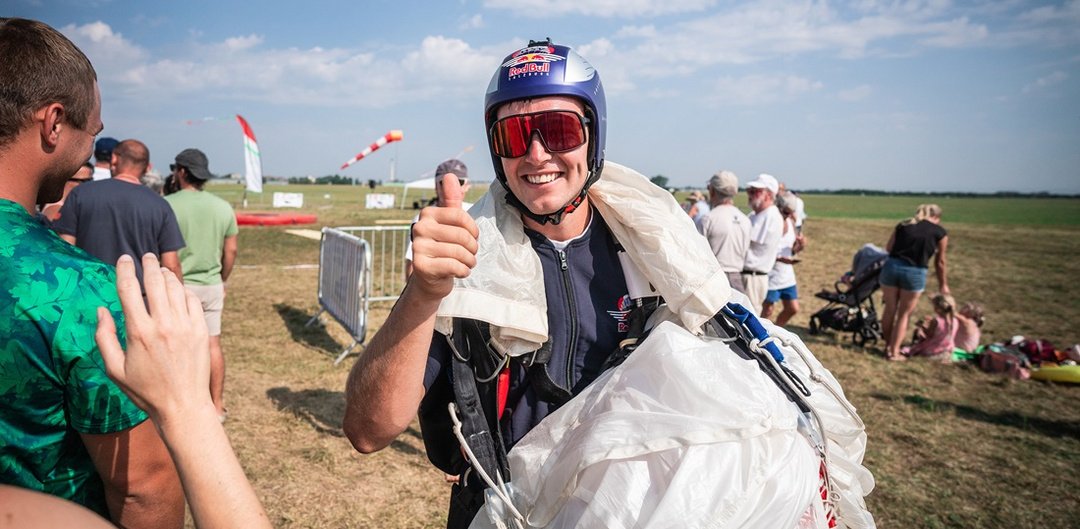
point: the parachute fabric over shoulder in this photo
(688, 433)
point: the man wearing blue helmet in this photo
(545, 116)
(512, 311)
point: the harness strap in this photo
(735, 320)
(545, 388)
(480, 433)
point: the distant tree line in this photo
(333, 179)
(968, 194)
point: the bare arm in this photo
(69, 238)
(166, 371)
(26, 509)
(228, 257)
(385, 385)
(940, 265)
(141, 485)
(171, 260)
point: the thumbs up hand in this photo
(444, 243)
(452, 192)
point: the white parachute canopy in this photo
(688, 433)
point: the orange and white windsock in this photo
(394, 135)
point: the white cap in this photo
(766, 181)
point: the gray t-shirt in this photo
(728, 231)
(110, 218)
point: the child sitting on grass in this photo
(968, 334)
(935, 337)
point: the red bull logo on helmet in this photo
(535, 60)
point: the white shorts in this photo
(213, 301)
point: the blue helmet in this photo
(544, 69)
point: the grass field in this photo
(949, 446)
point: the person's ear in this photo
(50, 120)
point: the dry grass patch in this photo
(950, 446)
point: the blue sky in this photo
(920, 95)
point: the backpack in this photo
(995, 358)
(1038, 351)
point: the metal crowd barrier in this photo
(359, 265)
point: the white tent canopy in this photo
(423, 183)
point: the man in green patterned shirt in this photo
(65, 428)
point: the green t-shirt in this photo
(52, 379)
(205, 221)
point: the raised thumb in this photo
(452, 193)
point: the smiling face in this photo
(546, 182)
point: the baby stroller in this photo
(851, 304)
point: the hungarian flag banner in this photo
(252, 158)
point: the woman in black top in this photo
(903, 278)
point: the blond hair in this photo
(944, 303)
(923, 212)
(974, 311)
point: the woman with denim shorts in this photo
(903, 278)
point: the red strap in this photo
(503, 389)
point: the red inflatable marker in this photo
(274, 219)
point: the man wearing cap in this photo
(103, 150)
(451, 166)
(120, 216)
(766, 228)
(726, 227)
(209, 227)
(698, 207)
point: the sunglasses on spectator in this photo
(461, 181)
(559, 130)
(79, 180)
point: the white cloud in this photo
(1044, 83)
(242, 43)
(858, 93)
(600, 8)
(761, 89)
(766, 30)
(242, 68)
(474, 22)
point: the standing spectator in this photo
(154, 181)
(67, 430)
(903, 278)
(120, 216)
(726, 227)
(83, 175)
(782, 284)
(766, 227)
(451, 166)
(698, 207)
(799, 208)
(103, 150)
(209, 227)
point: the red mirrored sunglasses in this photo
(560, 131)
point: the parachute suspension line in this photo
(821, 440)
(801, 350)
(495, 372)
(499, 489)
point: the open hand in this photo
(167, 365)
